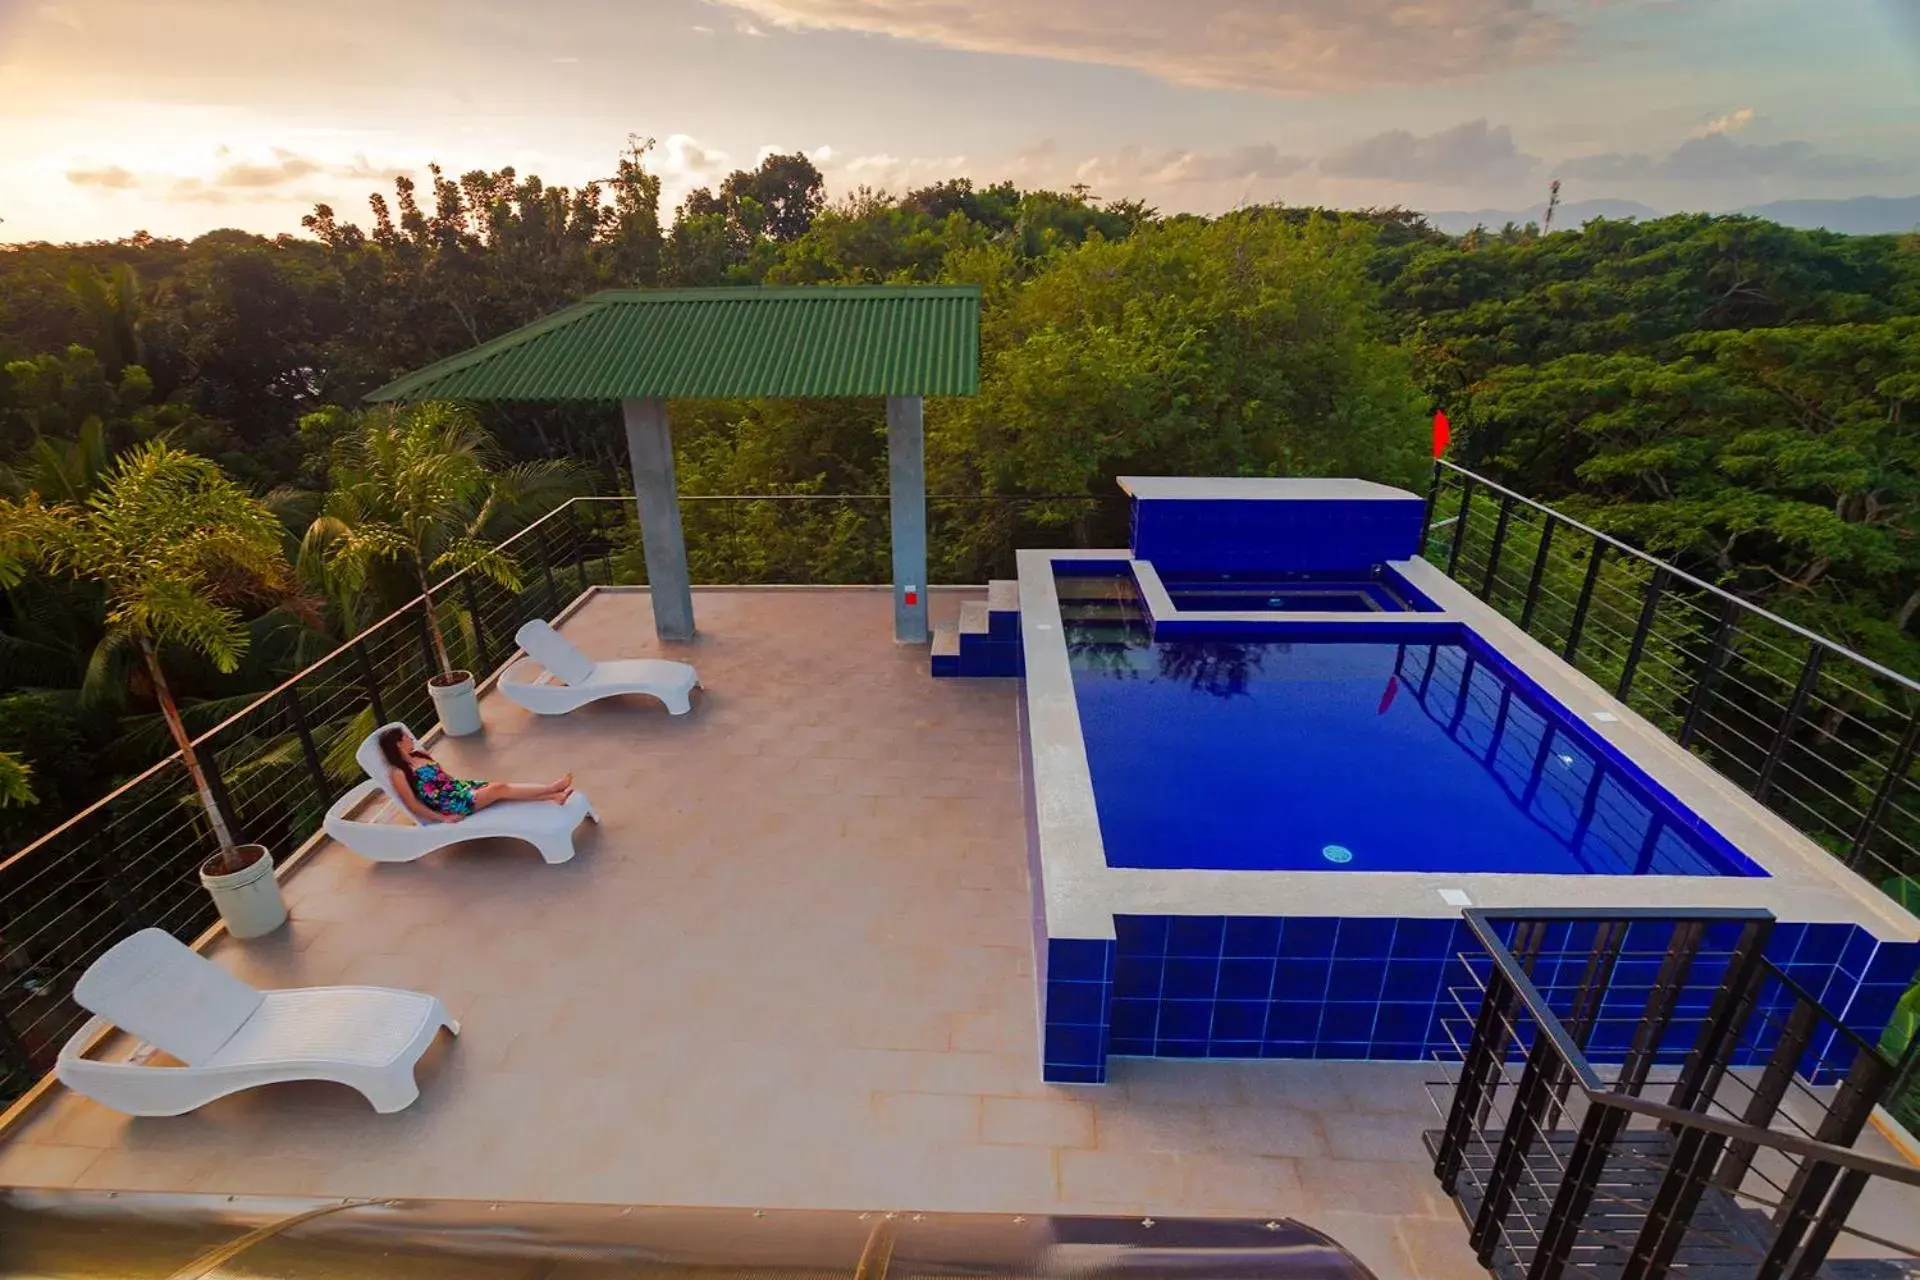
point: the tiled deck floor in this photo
(793, 969)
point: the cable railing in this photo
(1639, 1092)
(1823, 736)
(127, 861)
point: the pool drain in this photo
(1337, 853)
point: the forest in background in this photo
(1722, 391)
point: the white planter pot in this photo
(457, 705)
(249, 899)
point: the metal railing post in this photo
(1493, 552)
(425, 627)
(1530, 1101)
(1708, 681)
(1460, 524)
(371, 682)
(1883, 794)
(1655, 585)
(546, 570)
(1796, 707)
(1477, 1073)
(1539, 572)
(13, 1052)
(579, 544)
(1433, 496)
(1599, 1130)
(316, 772)
(1579, 622)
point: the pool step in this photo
(985, 641)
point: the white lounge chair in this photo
(547, 826)
(233, 1037)
(582, 680)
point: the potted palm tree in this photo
(175, 544)
(419, 491)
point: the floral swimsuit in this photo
(443, 793)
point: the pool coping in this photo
(1081, 894)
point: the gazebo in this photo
(641, 347)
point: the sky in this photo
(181, 116)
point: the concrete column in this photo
(907, 490)
(650, 446)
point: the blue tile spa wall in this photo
(1394, 989)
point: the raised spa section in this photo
(1272, 755)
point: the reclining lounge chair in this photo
(547, 826)
(233, 1037)
(571, 679)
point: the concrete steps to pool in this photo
(985, 640)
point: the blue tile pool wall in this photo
(1230, 535)
(1350, 988)
(1079, 987)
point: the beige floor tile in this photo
(1145, 1182)
(44, 1164)
(1037, 1122)
(928, 1117)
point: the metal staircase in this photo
(1712, 1125)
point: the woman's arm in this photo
(412, 803)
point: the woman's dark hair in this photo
(390, 748)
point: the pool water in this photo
(1354, 757)
(1285, 595)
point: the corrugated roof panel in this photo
(815, 340)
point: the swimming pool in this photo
(1332, 757)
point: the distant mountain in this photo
(1860, 216)
(1573, 214)
(1856, 216)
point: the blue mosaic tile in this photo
(1076, 1046)
(1341, 1050)
(1080, 959)
(1307, 937)
(1300, 979)
(1402, 1022)
(1423, 939)
(1356, 980)
(1180, 1049)
(1784, 941)
(1054, 1073)
(1252, 936)
(1413, 980)
(1137, 977)
(1190, 978)
(1233, 1049)
(1348, 1020)
(1135, 1020)
(1291, 1047)
(1239, 1020)
(1246, 979)
(1894, 962)
(1076, 1004)
(1821, 944)
(1364, 938)
(1185, 1020)
(1294, 1020)
(1858, 952)
(1196, 936)
(1130, 1047)
(1141, 935)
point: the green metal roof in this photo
(812, 340)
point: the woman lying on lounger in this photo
(431, 794)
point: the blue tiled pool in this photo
(1357, 757)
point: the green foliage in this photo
(421, 489)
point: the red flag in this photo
(1442, 432)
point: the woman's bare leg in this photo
(494, 792)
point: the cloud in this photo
(285, 167)
(1135, 166)
(238, 180)
(1469, 154)
(1301, 46)
(112, 177)
(683, 156)
(1732, 122)
(1716, 157)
